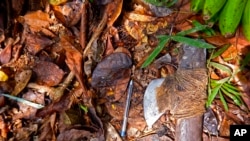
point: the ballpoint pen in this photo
(125, 117)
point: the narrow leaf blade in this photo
(156, 51)
(220, 51)
(221, 67)
(192, 42)
(197, 28)
(222, 99)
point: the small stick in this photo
(125, 117)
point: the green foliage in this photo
(179, 37)
(156, 51)
(84, 108)
(223, 87)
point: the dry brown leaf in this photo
(36, 43)
(133, 16)
(37, 20)
(47, 129)
(75, 134)
(5, 55)
(27, 111)
(3, 128)
(63, 104)
(110, 70)
(22, 78)
(114, 11)
(70, 13)
(73, 61)
(48, 73)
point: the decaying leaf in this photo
(70, 13)
(73, 60)
(111, 133)
(110, 69)
(37, 20)
(36, 43)
(48, 128)
(114, 10)
(5, 55)
(74, 134)
(27, 111)
(22, 78)
(48, 73)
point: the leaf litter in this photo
(63, 55)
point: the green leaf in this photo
(84, 108)
(156, 51)
(192, 42)
(230, 86)
(233, 97)
(220, 51)
(192, 30)
(213, 83)
(221, 81)
(208, 31)
(222, 99)
(212, 95)
(221, 67)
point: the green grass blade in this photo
(221, 67)
(192, 42)
(156, 51)
(221, 81)
(24, 101)
(233, 97)
(234, 91)
(212, 95)
(231, 86)
(208, 31)
(192, 30)
(220, 51)
(213, 83)
(84, 108)
(222, 99)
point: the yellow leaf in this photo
(3, 76)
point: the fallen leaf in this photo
(110, 69)
(48, 73)
(36, 43)
(75, 134)
(24, 131)
(63, 104)
(22, 78)
(74, 61)
(114, 10)
(3, 128)
(111, 133)
(27, 111)
(69, 13)
(5, 55)
(37, 20)
(47, 128)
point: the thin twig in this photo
(84, 20)
(97, 32)
(55, 93)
